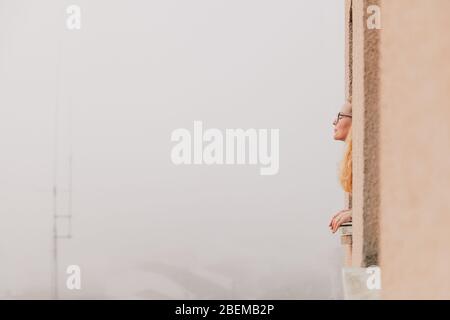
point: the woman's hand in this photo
(340, 218)
(336, 215)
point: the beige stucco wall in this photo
(401, 150)
(365, 93)
(414, 148)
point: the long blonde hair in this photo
(346, 175)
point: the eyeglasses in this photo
(340, 116)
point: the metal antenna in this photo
(54, 288)
(62, 166)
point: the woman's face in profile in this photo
(342, 125)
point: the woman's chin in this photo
(338, 137)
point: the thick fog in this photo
(85, 130)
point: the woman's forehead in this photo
(347, 108)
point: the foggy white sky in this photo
(137, 70)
